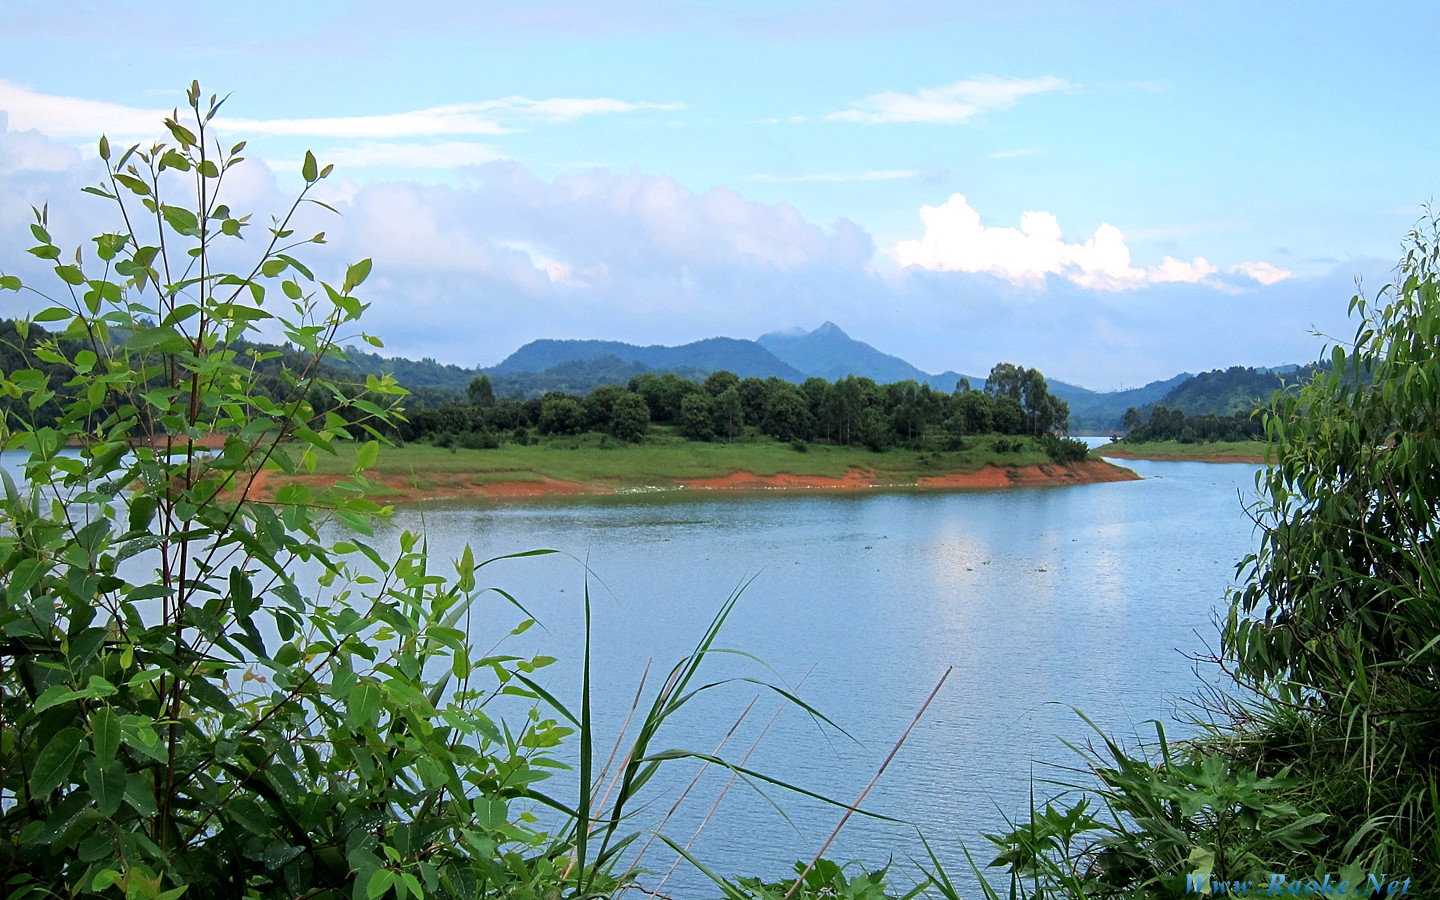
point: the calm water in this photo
(1042, 600)
(1088, 597)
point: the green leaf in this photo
(135, 185)
(366, 455)
(139, 795)
(309, 169)
(380, 882)
(105, 733)
(180, 219)
(107, 785)
(53, 765)
(104, 148)
(25, 576)
(185, 136)
(9, 283)
(356, 274)
(491, 812)
(364, 705)
(141, 512)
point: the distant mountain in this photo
(832, 354)
(1236, 389)
(579, 376)
(745, 358)
(1096, 411)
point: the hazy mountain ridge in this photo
(579, 366)
(1236, 389)
(747, 359)
(1102, 410)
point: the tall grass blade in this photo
(858, 800)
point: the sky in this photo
(1111, 192)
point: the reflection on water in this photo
(1041, 600)
(1088, 597)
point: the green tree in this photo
(753, 394)
(480, 391)
(600, 403)
(909, 409)
(561, 414)
(974, 412)
(721, 381)
(1006, 380)
(629, 417)
(787, 414)
(697, 417)
(1007, 416)
(1328, 762)
(728, 413)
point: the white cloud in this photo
(1172, 270)
(951, 104)
(956, 241)
(393, 155)
(29, 151)
(74, 117)
(882, 175)
(1262, 272)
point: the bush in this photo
(1064, 449)
(1329, 764)
(179, 712)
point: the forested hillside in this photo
(1236, 389)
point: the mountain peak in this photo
(829, 329)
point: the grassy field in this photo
(664, 459)
(1219, 451)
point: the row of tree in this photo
(1167, 424)
(849, 411)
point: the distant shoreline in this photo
(418, 474)
(1254, 452)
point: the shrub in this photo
(1328, 765)
(179, 712)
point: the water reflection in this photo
(1087, 596)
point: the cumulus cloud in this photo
(30, 151)
(1262, 272)
(951, 104)
(628, 221)
(956, 241)
(75, 117)
(466, 272)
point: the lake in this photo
(1092, 597)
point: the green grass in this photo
(664, 458)
(1218, 451)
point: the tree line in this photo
(854, 411)
(1167, 424)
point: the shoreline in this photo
(1116, 452)
(409, 490)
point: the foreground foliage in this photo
(181, 707)
(204, 694)
(1326, 763)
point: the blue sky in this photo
(1113, 192)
